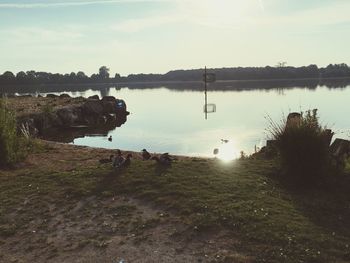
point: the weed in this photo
(303, 147)
(47, 109)
(13, 147)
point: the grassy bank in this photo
(262, 221)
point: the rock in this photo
(340, 150)
(64, 95)
(340, 147)
(109, 98)
(92, 107)
(51, 96)
(111, 117)
(93, 114)
(293, 119)
(109, 107)
(95, 97)
(327, 136)
(68, 115)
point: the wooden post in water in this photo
(205, 93)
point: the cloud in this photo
(68, 4)
(322, 16)
(39, 35)
(261, 3)
(135, 25)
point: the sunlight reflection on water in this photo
(164, 120)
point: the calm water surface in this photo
(164, 120)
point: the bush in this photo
(11, 144)
(303, 147)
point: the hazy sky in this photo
(132, 36)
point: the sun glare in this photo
(228, 151)
(221, 13)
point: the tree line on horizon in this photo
(237, 73)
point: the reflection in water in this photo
(69, 135)
(227, 85)
(104, 92)
(208, 107)
(165, 120)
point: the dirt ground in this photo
(111, 228)
(24, 105)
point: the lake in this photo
(169, 120)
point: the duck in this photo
(163, 159)
(110, 138)
(145, 155)
(123, 162)
(216, 151)
(107, 160)
(118, 159)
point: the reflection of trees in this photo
(310, 84)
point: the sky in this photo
(156, 36)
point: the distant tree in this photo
(8, 74)
(73, 76)
(21, 77)
(117, 76)
(103, 72)
(81, 75)
(31, 75)
(281, 64)
(8, 77)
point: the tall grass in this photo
(13, 147)
(303, 147)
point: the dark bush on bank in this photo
(303, 148)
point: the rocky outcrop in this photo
(340, 151)
(93, 113)
(94, 97)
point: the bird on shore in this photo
(163, 159)
(107, 160)
(145, 155)
(110, 138)
(118, 159)
(123, 162)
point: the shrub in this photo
(303, 147)
(47, 109)
(11, 144)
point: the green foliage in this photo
(47, 109)
(303, 148)
(13, 147)
(8, 135)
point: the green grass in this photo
(273, 224)
(276, 224)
